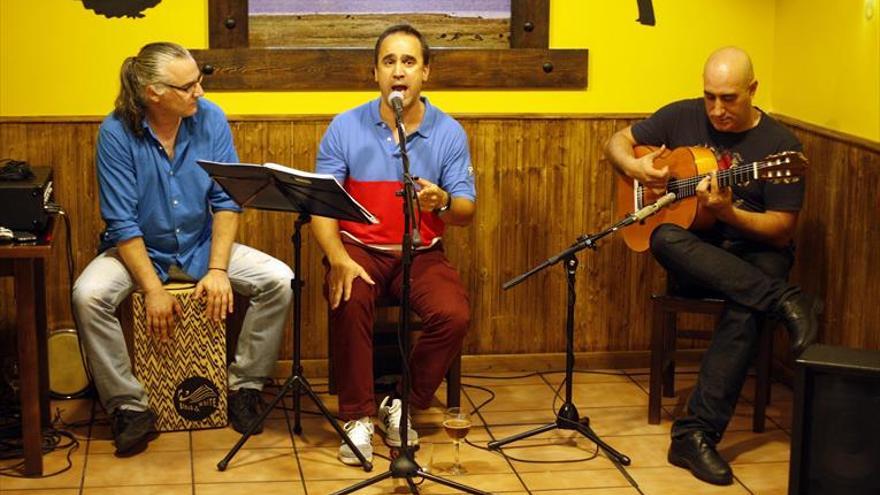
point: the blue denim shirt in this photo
(169, 203)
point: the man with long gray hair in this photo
(167, 220)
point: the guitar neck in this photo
(685, 188)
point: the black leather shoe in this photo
(132, 430)
(800, 314)
(245, 406)
(696, 452)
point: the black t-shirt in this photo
(685, 123)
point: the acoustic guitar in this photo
(687, 167)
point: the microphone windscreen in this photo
(398, 95)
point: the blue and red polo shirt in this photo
(359, 150)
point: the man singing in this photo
(360, 148)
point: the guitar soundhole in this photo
(647, 197)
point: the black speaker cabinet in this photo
(22, 202)
(835, 443)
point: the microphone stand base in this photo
(567, 419)
(405, 467)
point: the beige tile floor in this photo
(278, 461)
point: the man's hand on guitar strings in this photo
(717, 199)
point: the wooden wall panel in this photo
(838, 255)
(541, 183)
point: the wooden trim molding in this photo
(243, 69)
(529, 24)
(302, 118)
(231, 65)
(518, 363)
(830, 133)
(227, 23)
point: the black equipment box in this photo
(22, 202)
(835, 440)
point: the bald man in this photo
(745, 256)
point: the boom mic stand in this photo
(404, 465)
(568, 418)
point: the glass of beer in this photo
(457, 423)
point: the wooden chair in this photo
(386, 356)
(664, 333)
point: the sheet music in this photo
(320, 194)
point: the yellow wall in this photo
(827, 64)
(57, 58)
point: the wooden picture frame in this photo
(231, 65)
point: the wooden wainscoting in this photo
(838, 253)
(541, 183)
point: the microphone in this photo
(395, 99)
(653, 208)
(645, 212)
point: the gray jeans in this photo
(105, 283)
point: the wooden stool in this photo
(664, 333)
(186, 377)
(386, 355)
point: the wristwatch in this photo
(443, 209)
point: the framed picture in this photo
(328, 44)
(356, 23)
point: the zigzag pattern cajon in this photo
(185, 378)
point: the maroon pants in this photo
(436, 295)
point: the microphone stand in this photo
(589, 241)
(404, 465)
(568, 418)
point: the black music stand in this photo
(568, 418)
(277, 188)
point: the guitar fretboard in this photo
(685, 188)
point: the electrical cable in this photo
(11, 442)
(556, 397)
(405, 362)
(53, 439)
(505, 455)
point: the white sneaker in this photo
(389, 423)
(360, 432)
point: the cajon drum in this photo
(185, 378)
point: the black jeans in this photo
(752, 277)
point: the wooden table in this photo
(26, 262)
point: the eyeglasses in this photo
(188, 89)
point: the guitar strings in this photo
(688, 187)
